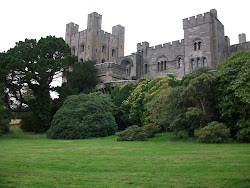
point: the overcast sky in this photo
(155, 21)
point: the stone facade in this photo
(204, 44)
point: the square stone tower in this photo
(205, 42)
(94, 43)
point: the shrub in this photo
(151, 129)
(182, 134)
(132, 133)
(83, 116)
(214, 132)
(4, 118)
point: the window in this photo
(104, 48)
(179, 62)
(146, 68)
(103, 61)
(113, 52)
(205, 62)
(199, 45)
(195, 46)
(73, 51)
(158, 68)
(82, 48)
(81, 60)
(165, 65)
(192, 64)
(162, 66)
(198, 62)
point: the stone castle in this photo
(204, 44)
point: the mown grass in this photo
(35, 161)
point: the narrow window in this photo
(165, 65)
(146, 68)
(113, 52)
(192, 64)
(198, 62)
(199, 45)
(158, 66)
(179, 63)
(104, 49)
(73, 51)
(82, 48)
(162, 66)
(205, 62)
(195, 46)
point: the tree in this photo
(83, 116)
(34, 65)
(4, 117)
(233, 94)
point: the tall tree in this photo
(34, 65)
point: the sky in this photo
(154, 21)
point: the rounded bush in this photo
(83, 116)
(132, 133)
(214, 132)
(151, 129)
(28, 122)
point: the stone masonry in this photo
(204, 44)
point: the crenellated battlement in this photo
(72, 28)
(199, 19)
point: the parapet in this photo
(168, 45)
(199, 19)
(72, 28)
(242, 38)
(142, 46)
(118, 30)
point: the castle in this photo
(204, 44)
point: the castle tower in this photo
(242, 38)
(205, 43)
(94, 43)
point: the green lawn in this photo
(35, 161)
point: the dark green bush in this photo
(151, 129)
(83, 116)
(182, 134)
(214, 132)
(132, 133)
(28, 122)
(4, 118)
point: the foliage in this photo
(132, 133)
(144, 92)
(83, 116)
(214, 132)
(34, 65)
(118, 95)
(151, 129)
(182, 135)
(4, 117)
(28, 123)
(233, 93)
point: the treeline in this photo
(211, 105)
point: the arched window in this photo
(204, 62)
(165, 65)
(195, 46)
(146, 68)
(158, 67)
(73, 51)
(104, 49)
(113, 52)
(192, 64)
(198, 62)
(82, 48)
(199, 45)
(162, 66)
(179, 62)
(81, 60)
(103, 61)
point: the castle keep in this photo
(204, 44)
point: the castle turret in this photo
(242, 38)
(119, 31)
(71, 29)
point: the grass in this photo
(35, 161)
